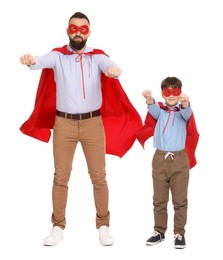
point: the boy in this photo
(175, 148)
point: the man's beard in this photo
(77, 45)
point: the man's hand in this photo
(113, 72)
(27, 59)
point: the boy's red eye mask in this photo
(174, 92)
(73, 28)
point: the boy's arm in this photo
(185, 108)
(152, 105)
(184, 99)
(147, 94)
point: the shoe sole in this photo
(52, 244)
(154, 243)
(108, 244)
(49, 245)
(179, 247)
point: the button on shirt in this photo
(70, 86)
(170, 136)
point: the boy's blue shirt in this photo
(192, 135)
(170, 130)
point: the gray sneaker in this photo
(179, 241)
(156, 238)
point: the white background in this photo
(150, 40)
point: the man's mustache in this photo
(78, 37)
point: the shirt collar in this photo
(177, 106)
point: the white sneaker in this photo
(104, 236)
(55, 237)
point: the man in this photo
(77, 73)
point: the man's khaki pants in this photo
(90, 133)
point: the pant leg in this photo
(92, 139)
(160, 192)
(65, 138)
(179, 189)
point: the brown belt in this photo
(79, 116)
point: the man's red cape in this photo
(121, 120)
(192, 137)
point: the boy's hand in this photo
(184, 99)
(147, 94)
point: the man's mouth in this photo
(78, 39)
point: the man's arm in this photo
(27, 59)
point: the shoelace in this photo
(169, 154)
(178, 236)
(155, 233)
(56, 232)
(105, 233)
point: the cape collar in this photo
(167, 108)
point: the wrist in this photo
(185, 104)
(150, 101)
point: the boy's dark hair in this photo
(79, 15)
(171, 82)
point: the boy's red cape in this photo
(121, 120)
(192, 137)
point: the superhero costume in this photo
(192, 137)
(120, 118)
